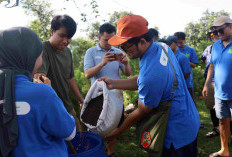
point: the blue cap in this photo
(171, 39)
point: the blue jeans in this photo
(223, 108)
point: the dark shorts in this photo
(189, 150)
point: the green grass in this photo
(126, 145)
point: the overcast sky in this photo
(169, 15)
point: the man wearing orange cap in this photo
(221, 67)
(155, 84)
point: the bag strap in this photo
(175, 80)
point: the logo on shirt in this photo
(230, 51)
(146, 139)
(188, 55)
(22, 108)
(163, 59)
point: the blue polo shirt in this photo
(94, 56)
(155, 83)
(43, 121)
(192, 56)
(184, 63)
(221, 58)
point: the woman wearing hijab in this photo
(33, 120)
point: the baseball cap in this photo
(128, 27)
(171, 39)
(221, 21)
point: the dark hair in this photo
(64, 21)
(154, 32)
(108, 28)
(147, 36)
(180, 35)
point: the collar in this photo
(100, 49)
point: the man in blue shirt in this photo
(192, 56)
(221, 66)
(181, 58)
(104, 60)
(154, 85)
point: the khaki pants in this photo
(210, 102)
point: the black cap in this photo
(171, 39)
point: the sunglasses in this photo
(125, 47)
(221, 30)
(213, 33)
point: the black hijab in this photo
(19, 49)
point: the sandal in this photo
(216, 155)
(215, 132)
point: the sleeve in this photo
(186, 65)
(88, 61)
(212, 55)
(57, 122)
(72, 69)
(121, 66)
(193, 58)
(45, 64)
(150, 91)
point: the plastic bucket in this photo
(87, 144)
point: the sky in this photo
(168, 15)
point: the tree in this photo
(41, 9)
(116, 16)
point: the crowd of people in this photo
(37, 115)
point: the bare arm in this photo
(208, 80)
(75, 90)
(108, 57)
(193, 65)
(127, 68)
(133, 118)
(124, 84)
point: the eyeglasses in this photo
(125, 47)
(213, 33)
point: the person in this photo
(35, 121)
(220, 68)
(155, 34)
(210, 98)
(192, 56)
(181, 58)
(57, 62)
(102, 60)
(154, 85)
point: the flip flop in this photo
(216, 155)
(215, 132)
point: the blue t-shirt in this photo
(43, 121)
(192, 56)
(155, 82)
(221, 58)
(94, 56)
(184, 63)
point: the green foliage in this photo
(41, 9)
(79, 48)
(93, 32)
(116, 16)
(198, 80)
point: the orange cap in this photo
(128, 27)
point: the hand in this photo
(111, 136)
(108, 57)
(41, 78)
(109, 82)
(124, 59)
(81, 105)
(205, 91)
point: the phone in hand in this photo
(118, 56)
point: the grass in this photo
(126, 145)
